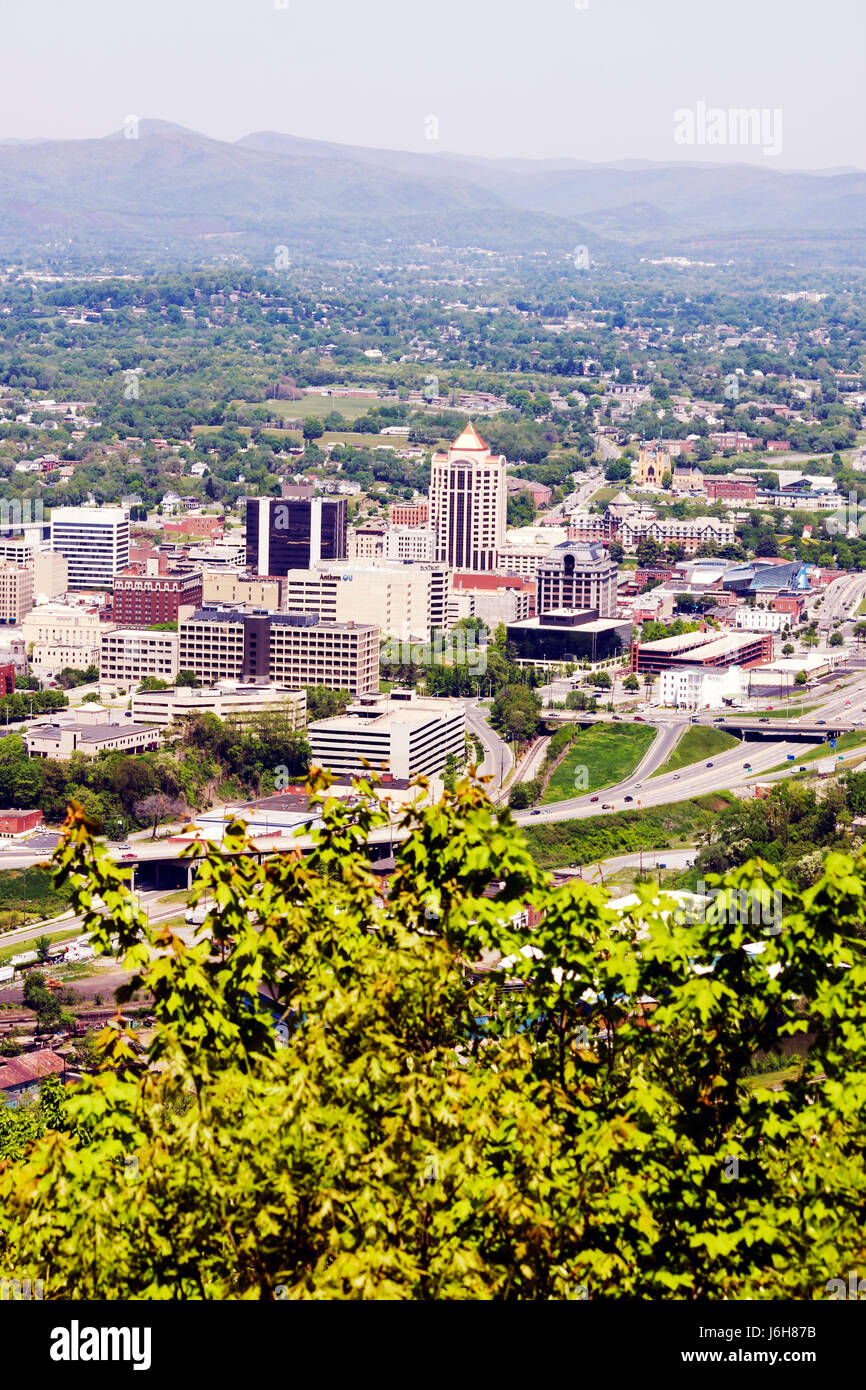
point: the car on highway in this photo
(709, 764)
(128, 856)
(638, 719)
(628, 798)
(608, 806)
(536, 812)
(847, 704)
(820, 721)
(676, 776)
(618, 718)
(747, 766)
(593, 798)
(637, 786)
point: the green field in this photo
(287, 436)
(362, 441)
(609, 753)
(696, 744)
(317, 407)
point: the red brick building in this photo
(7, 679)
(16, 823)
(209, 526)
(409, 513)
(787, 603)
(733, 489)
(140, 600)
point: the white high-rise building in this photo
(468, 498)
(95, 541)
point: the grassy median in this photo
(697, 743)
(608, 752)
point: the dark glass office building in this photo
(567, 637)
(294, 533)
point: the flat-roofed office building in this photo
(291, 649)
(401, 734)
(231, 700)
(128, 655)
(294, 533)
(95, 542)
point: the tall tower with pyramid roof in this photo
(468, 504)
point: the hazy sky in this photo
(502, 77)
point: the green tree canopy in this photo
(420, 1133)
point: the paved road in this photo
(650, 859)
(497, 754)
(841, 599)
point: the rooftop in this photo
(89, 733)
(22, 1071)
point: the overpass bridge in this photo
(808, 731)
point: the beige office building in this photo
(468, 498)
(226, 586)
(90, 733)
(128, 655)
(401, 734)
(50, 569)
(50, 574)
(289, 649)
(16, 591)
(232, 700)
(59, 635)
(365, 542)
(396, 598)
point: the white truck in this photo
(7, 972)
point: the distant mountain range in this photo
(174, 194)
